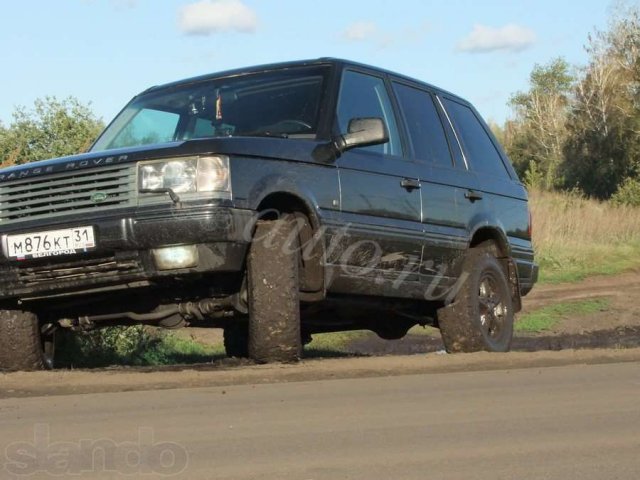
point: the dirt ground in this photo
(225, 374)
(610, 336)
(616, 327)
(623, 290)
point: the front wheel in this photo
(274, 299)
(23, 345)
(482, 315)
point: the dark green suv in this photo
(274, 202)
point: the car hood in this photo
(264, 147)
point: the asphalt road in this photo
(570, 422)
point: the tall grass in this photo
(575, 237)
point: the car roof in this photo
(296, 64)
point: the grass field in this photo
(576, 237)
(548, 317)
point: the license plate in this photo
(50, 243)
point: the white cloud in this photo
(511, 37)
(360, 31)
(368, 31)
(214, 16)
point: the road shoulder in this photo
(33, 384)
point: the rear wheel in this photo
(482, 315)
(274, 304)
(23, 345)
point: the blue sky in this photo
(106, 51)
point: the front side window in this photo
(423, 125)
(282, 103)
(480, 150)
(364, 96)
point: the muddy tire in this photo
(22, 346)
(274, 304)
(481, 316)
(236, 340)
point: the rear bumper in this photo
(123, 258)
(527, 282)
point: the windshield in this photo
(280, 103)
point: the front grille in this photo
(69, 192)
(94, 270)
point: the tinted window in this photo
(423, 124)
(203, 128)
(272, 103)
(480, 150)
(366, 96)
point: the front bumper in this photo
(122, 257)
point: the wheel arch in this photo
(491, 233)
(312, 275)
(287, 202)
(497, 235)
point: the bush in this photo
(136, 346)
(628, 193)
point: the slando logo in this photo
(143, 456)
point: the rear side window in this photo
(480, 150)
(362, 96)
(423, 124)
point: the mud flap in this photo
(514, 282)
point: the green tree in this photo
(535, 138)
(52, 128)
(603, 147)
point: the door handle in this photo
(472, 195)
(410, 184)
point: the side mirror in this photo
(363, 132)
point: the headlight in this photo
(184, 175)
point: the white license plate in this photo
(50, 243)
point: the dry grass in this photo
(575, 237)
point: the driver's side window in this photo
(364, 95)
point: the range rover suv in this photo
(274, 202)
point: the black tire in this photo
(236, 340)
(22, 345)
(482, 315)
(274, 299)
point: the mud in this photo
(617, 326)
(620, 337)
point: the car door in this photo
(446, 210)
(504, 204)
(380, 205)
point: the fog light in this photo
(172, 258)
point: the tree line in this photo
(578, 128)
(52, 128)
